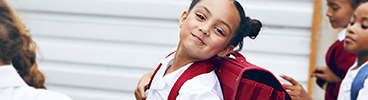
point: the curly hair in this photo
(248, 27)
(17, 47)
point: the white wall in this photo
(98, 49)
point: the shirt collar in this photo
(356, 64)
(341, 35)
(9, 77)
(174, 76)
(160, 80)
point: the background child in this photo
(17, 61)
(208, 29)
(357, 42)
(338, 60)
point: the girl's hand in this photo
(296, 90)
(326, 74)
(142, 86)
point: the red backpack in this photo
(239, 79)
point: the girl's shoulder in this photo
(30, 93)
(50, 95)
(204, 81)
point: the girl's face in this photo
(208, 28)
(357, 31)
(339, 12)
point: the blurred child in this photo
(338, 60)
(210, 28)
(354, 86)
(18, 68)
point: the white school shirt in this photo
(12, 87)
(341, 35)
(202, 87)
(344, 93)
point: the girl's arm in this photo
(296, 90)
(142, 86)
(326, 74)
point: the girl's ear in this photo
(183, 18)
(226, 51)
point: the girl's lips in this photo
(198, 39)
(349, 39)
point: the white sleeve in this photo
(363, 93)
(49, 95)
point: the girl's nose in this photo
(329, 13)
(204, 31)
(351, 28)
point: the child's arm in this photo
(326, 74)
(297, 91)
(142, 86)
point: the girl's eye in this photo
(200, 16)
(218, 30)
(351, 23)
(364, 27)
(334, 8)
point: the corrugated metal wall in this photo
(99, 49)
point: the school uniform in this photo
(202, 87)
(339, 61)
(12, 87)
(345, 87)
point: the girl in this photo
(357, 42)
(210, 28)
(18, 67)
(338, 60)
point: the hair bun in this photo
(253, 29)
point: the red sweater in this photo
(339, 61)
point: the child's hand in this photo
(326, 74)
(142, 86)
(296, 90)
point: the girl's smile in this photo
(332, 21)
(349, 39)
(357, 31)
(207, 29)
(198, 39)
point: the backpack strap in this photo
(154, 73)
(197, 68)
(358, 82)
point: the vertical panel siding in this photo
(99, 49)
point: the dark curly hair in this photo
(247, 27)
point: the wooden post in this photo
(315, 30)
